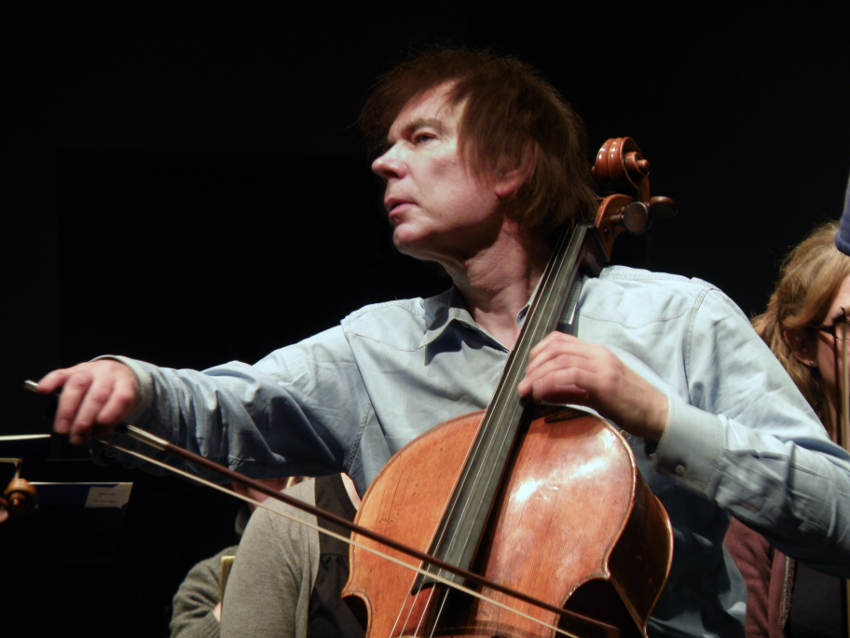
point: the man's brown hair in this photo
(512, 118)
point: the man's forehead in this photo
(433, 105)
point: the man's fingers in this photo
(556, 384)
(52, 381)
(95, 393)
(75, 386)
(553, 362)
(121, 402)
(556, 344)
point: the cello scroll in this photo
(621, 168)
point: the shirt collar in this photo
(449, 308)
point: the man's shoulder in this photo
(627, 276)
(398, 319)
(392, 308)
(639, 281)
(650, 295)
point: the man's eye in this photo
(422, 136)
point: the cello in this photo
(546, 500)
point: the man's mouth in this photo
(395, 207)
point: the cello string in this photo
(345, 539)
(410, 605)
(397, 622)
(395, 626)
(439, 612)
(423, 615)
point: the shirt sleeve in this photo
(299, 410)
(747, 439)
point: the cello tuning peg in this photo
(635, 217)
(662, 208)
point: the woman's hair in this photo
(512, 117)
(809, 279)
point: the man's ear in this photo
(512, 180)
(795, 341)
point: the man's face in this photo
(439, 210)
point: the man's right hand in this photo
(97, 394)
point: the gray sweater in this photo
(192, 606)
(276, 561)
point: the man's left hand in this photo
(564, 369)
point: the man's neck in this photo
(497, 283)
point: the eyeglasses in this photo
(842, 318)
(839, 331)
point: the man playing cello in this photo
(484, 164)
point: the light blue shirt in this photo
(740, 437)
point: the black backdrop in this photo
(189, 186)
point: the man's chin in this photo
(405, 244)
(408, 245)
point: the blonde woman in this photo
(803, 326)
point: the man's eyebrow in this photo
(415, 125)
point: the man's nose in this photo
(389, 165)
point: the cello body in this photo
(570, 528)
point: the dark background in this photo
(189, 186)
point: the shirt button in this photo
(680, 470)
